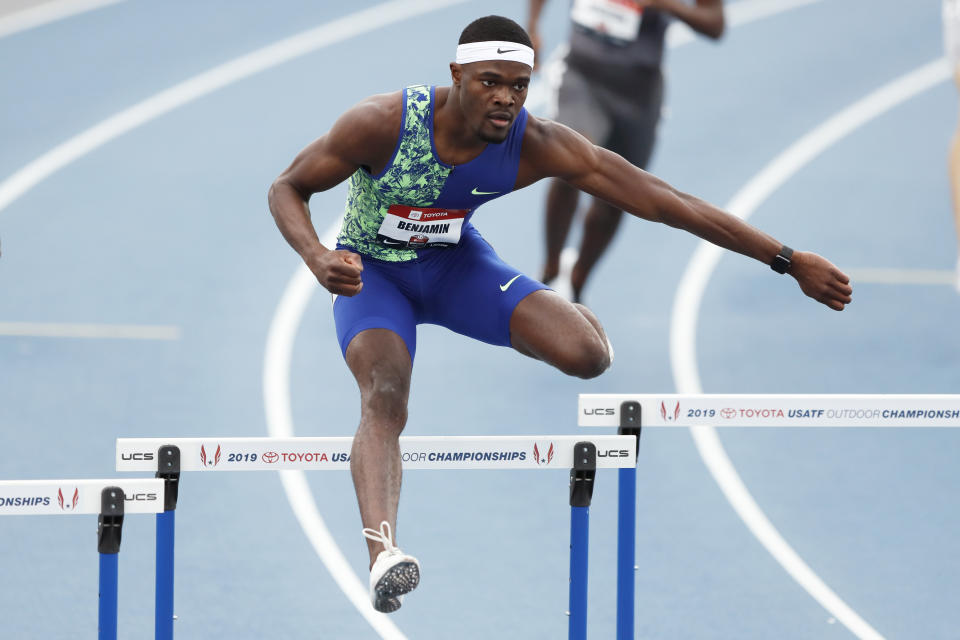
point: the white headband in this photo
(494, 50)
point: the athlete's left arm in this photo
(553, 150)
(706, 16)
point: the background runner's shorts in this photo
(620, 118)
(467, 289)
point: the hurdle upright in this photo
(628, 412)
(111, 500)
(582, 456)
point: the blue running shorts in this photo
(467, 289)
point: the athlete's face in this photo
(491, 95)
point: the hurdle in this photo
(168, 457)
(630, 412)
(111, 500)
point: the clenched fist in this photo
(338, 272)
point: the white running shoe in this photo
(393, 573)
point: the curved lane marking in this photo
(686, 309)
(198, 86)
(350, 26)
(46, 13)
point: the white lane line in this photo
(95, 331)
(206, 83)
(352, 25)
(686, 308)
(48, 12)
(901, 276)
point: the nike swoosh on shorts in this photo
(483, 193)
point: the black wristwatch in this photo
(781, 262)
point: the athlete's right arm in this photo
(364, 136)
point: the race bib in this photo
(617, 19)
(419, 228)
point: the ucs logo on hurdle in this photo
(71, 503)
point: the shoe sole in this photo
(400, 579)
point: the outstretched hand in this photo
(339, 272)
(821, 280)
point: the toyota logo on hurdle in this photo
(538, 459)
(665, 416)
(68, 506)
(270, 457)
(212, 462)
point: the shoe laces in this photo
(383, 536)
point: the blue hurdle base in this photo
(163, 620)
(626, 553)
(579, 545)
(107, 613)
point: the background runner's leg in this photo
(561, 206)
(599, 227)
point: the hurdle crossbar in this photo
(111, 500)
(630, 412)
(333, 453)
(581, 456)
(772, 410)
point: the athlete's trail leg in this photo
(381, 365)
(561, 333)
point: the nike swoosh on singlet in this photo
(499, 50)
(504, 287)
(483, 193)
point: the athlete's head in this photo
(491, 74)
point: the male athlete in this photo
(420, 162)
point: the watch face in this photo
(780, 264)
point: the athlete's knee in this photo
(586, 359)
(385, 398)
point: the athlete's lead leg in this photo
(381, 364)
